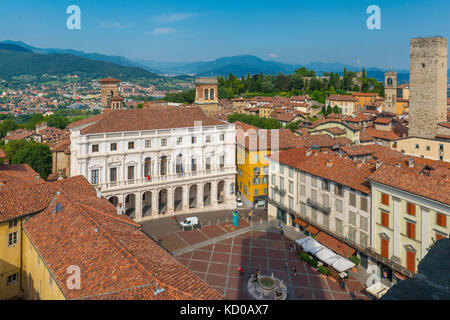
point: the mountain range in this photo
(51, 59)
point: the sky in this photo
(292, 31)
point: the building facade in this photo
(157, 168)
(390, 92)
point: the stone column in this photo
(185, 198)
(138, 206)
(170, 200)
(155, 204)
(200, 203)
(214, 190)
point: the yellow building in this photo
(363, 100)
(411, 209)
(433, 149)
(254, 146)
(266, 110)
(402, 106)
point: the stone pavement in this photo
(260, 247)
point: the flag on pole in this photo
(182, 171)
(149, 178)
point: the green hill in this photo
(14, 63)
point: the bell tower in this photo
(110, 89)
(206, 95)
(390, 91)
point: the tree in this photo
(57, 121)
(38, 156)
(7, 126)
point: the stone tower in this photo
(390, 92)
(110, 89)
(206, 95)
(428, 86)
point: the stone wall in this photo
(428, 88)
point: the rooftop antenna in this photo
(58, 208)
(96, 228)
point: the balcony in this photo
(174, 177)
(318, 206)
(282, 192)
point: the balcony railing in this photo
(367, 251)
(318, 206)
(166, 178)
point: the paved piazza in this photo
(217, 264)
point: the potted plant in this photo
(356, 261)
(313, 263)
(324, 271)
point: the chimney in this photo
(119, 209)
(308, 153)
(329, 163)
(378, 165)
(411, 162)
(99, 192)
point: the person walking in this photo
(286, 265)
(295, 271)
(250, 215)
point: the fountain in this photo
(267, 288)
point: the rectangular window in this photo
(291, 173)
(13, 223)
(163, 142)
(148, 144)
(411, 209)
(281, 168)
(352, 234)
(222, 137)
(281, 184)
(194, 165)
(12, 239)
(302, 208)
(95, 148)
(384, 248)
(314, 181)
(193, 140)
(256, 181)
(363, 239)
(325, 185)
(385, 219)
(352, 218)
(291, 187)
(264, 180)
(339, 190)
(314, 195)
(208, 164)
(274, 180)
(94, 177)
(222, 162)
(410, 261)
(363, 223)
(352, 199)
(364, 204)
(441, 220)
(302, 177)
(326, 220)
(339, 226)
(326, 200)
(385, 199)
(291, 203)
(256, 192)
(179, 141)
(303, 190)
(113, 174)
(339, 205)
(411, 230)
(208, 139)
(314, 215)
(131, 173)
(113, 147)
(130, 145)
(11, 279)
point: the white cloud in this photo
(273, 55)
(162, 31)
(116, 24)
(174, 17)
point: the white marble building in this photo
(158, 161)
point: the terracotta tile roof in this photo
(334, 244)
(360, 117)
(335, 130)
(435, 186)
(253, 138)
(339, 97)
(363, 94)
(331, 120)
(378, 152)
(284, 117)
(383, 120)
(117, 98)
(108, 80)
(150, 118)
(328, 165)
(380, 134)
(110, 250)
(2, 154)
(323, 141)
(20, 134)
(63, 146)
(445, 124)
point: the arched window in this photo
(163, 167)
(205, 95)
(179, 165)
(389, 81)
(147, 167)
(211, 94)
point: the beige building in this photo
(411, 209)
(347, 104)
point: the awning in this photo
(399, 276)
(335, 245)
(312, 230)
(312, 246)
(300, 222)
(301, 241)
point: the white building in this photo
(158, 160)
